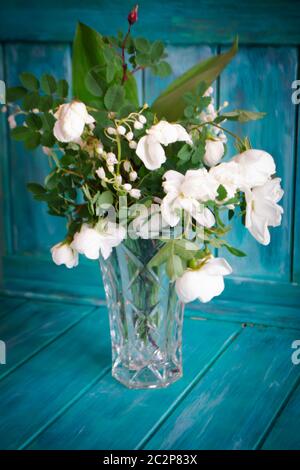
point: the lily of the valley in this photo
(150, 147)
(262, 209)
(91, 241)
(203, 283)
(70, 121)
(188, 192)
(63, 253)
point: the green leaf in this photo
(162, 255)
(184, 153)
(174, 267)
(34, 121)
(20, 133)
(170, 104)
(47, 139)
(114, 98)
(45, 103)
(15, 93)
(131, 90)
(48, 84)
(222, 193)
(29, 81)
(156, 50)
(234, 251)
(101, 118)
(36, 189)
(241, 115)
(162, 69)
(142, 44)
(32, 141)
(31, 101)
(62, 88)
(185, 249)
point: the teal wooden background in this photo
(36, 36)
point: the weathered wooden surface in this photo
(56, 390)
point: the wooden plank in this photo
(181, 59)
(285, 433)
(195, 22)
(296, 240)
(5, 226)
(110, 416)
(231, 407)
(247, 312)
(34, 325)
(33, 229)
(34, 393)
(8, 304)
(260, 79)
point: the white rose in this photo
(214, 151)
(90, 241)
(262, 209)
(149, 148)
(228, 175)
(70, 121)
(203, 283)
(149, 224)
(63, 253)
(256, 167)
(186, 192)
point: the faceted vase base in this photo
(152, 376)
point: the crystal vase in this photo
(145, 315)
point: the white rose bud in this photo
(70, 121)
(111, 168)
(135, 193)
(127, 186)
(133, 144)
(138, 125)
(101, 173)
(129, 135)
(142, 119)
(63, 253)
(121, 130)
(111, 130)
(99, 149)
(127, 166)
(214, 151)
(133, 175)
(111, 159)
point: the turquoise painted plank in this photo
(285, 433)
(232, 406)
(110, 416)
(198, 21)
(33, 229)
(5, 227)
(246, 312)
(33, 394)
(260, 79)
(181, 59)
(34, 325)
(296, 247)
(7, 305)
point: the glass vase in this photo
(145, 316)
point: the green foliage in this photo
(170, 104)
(240, 115)
(29, 81)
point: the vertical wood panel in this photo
(260, 79)
(33, 229)
(296, 252)
(181, 59)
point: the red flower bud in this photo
(133, 15)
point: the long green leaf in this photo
(90, 69)
(170, 104)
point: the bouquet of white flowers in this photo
(122, 170)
